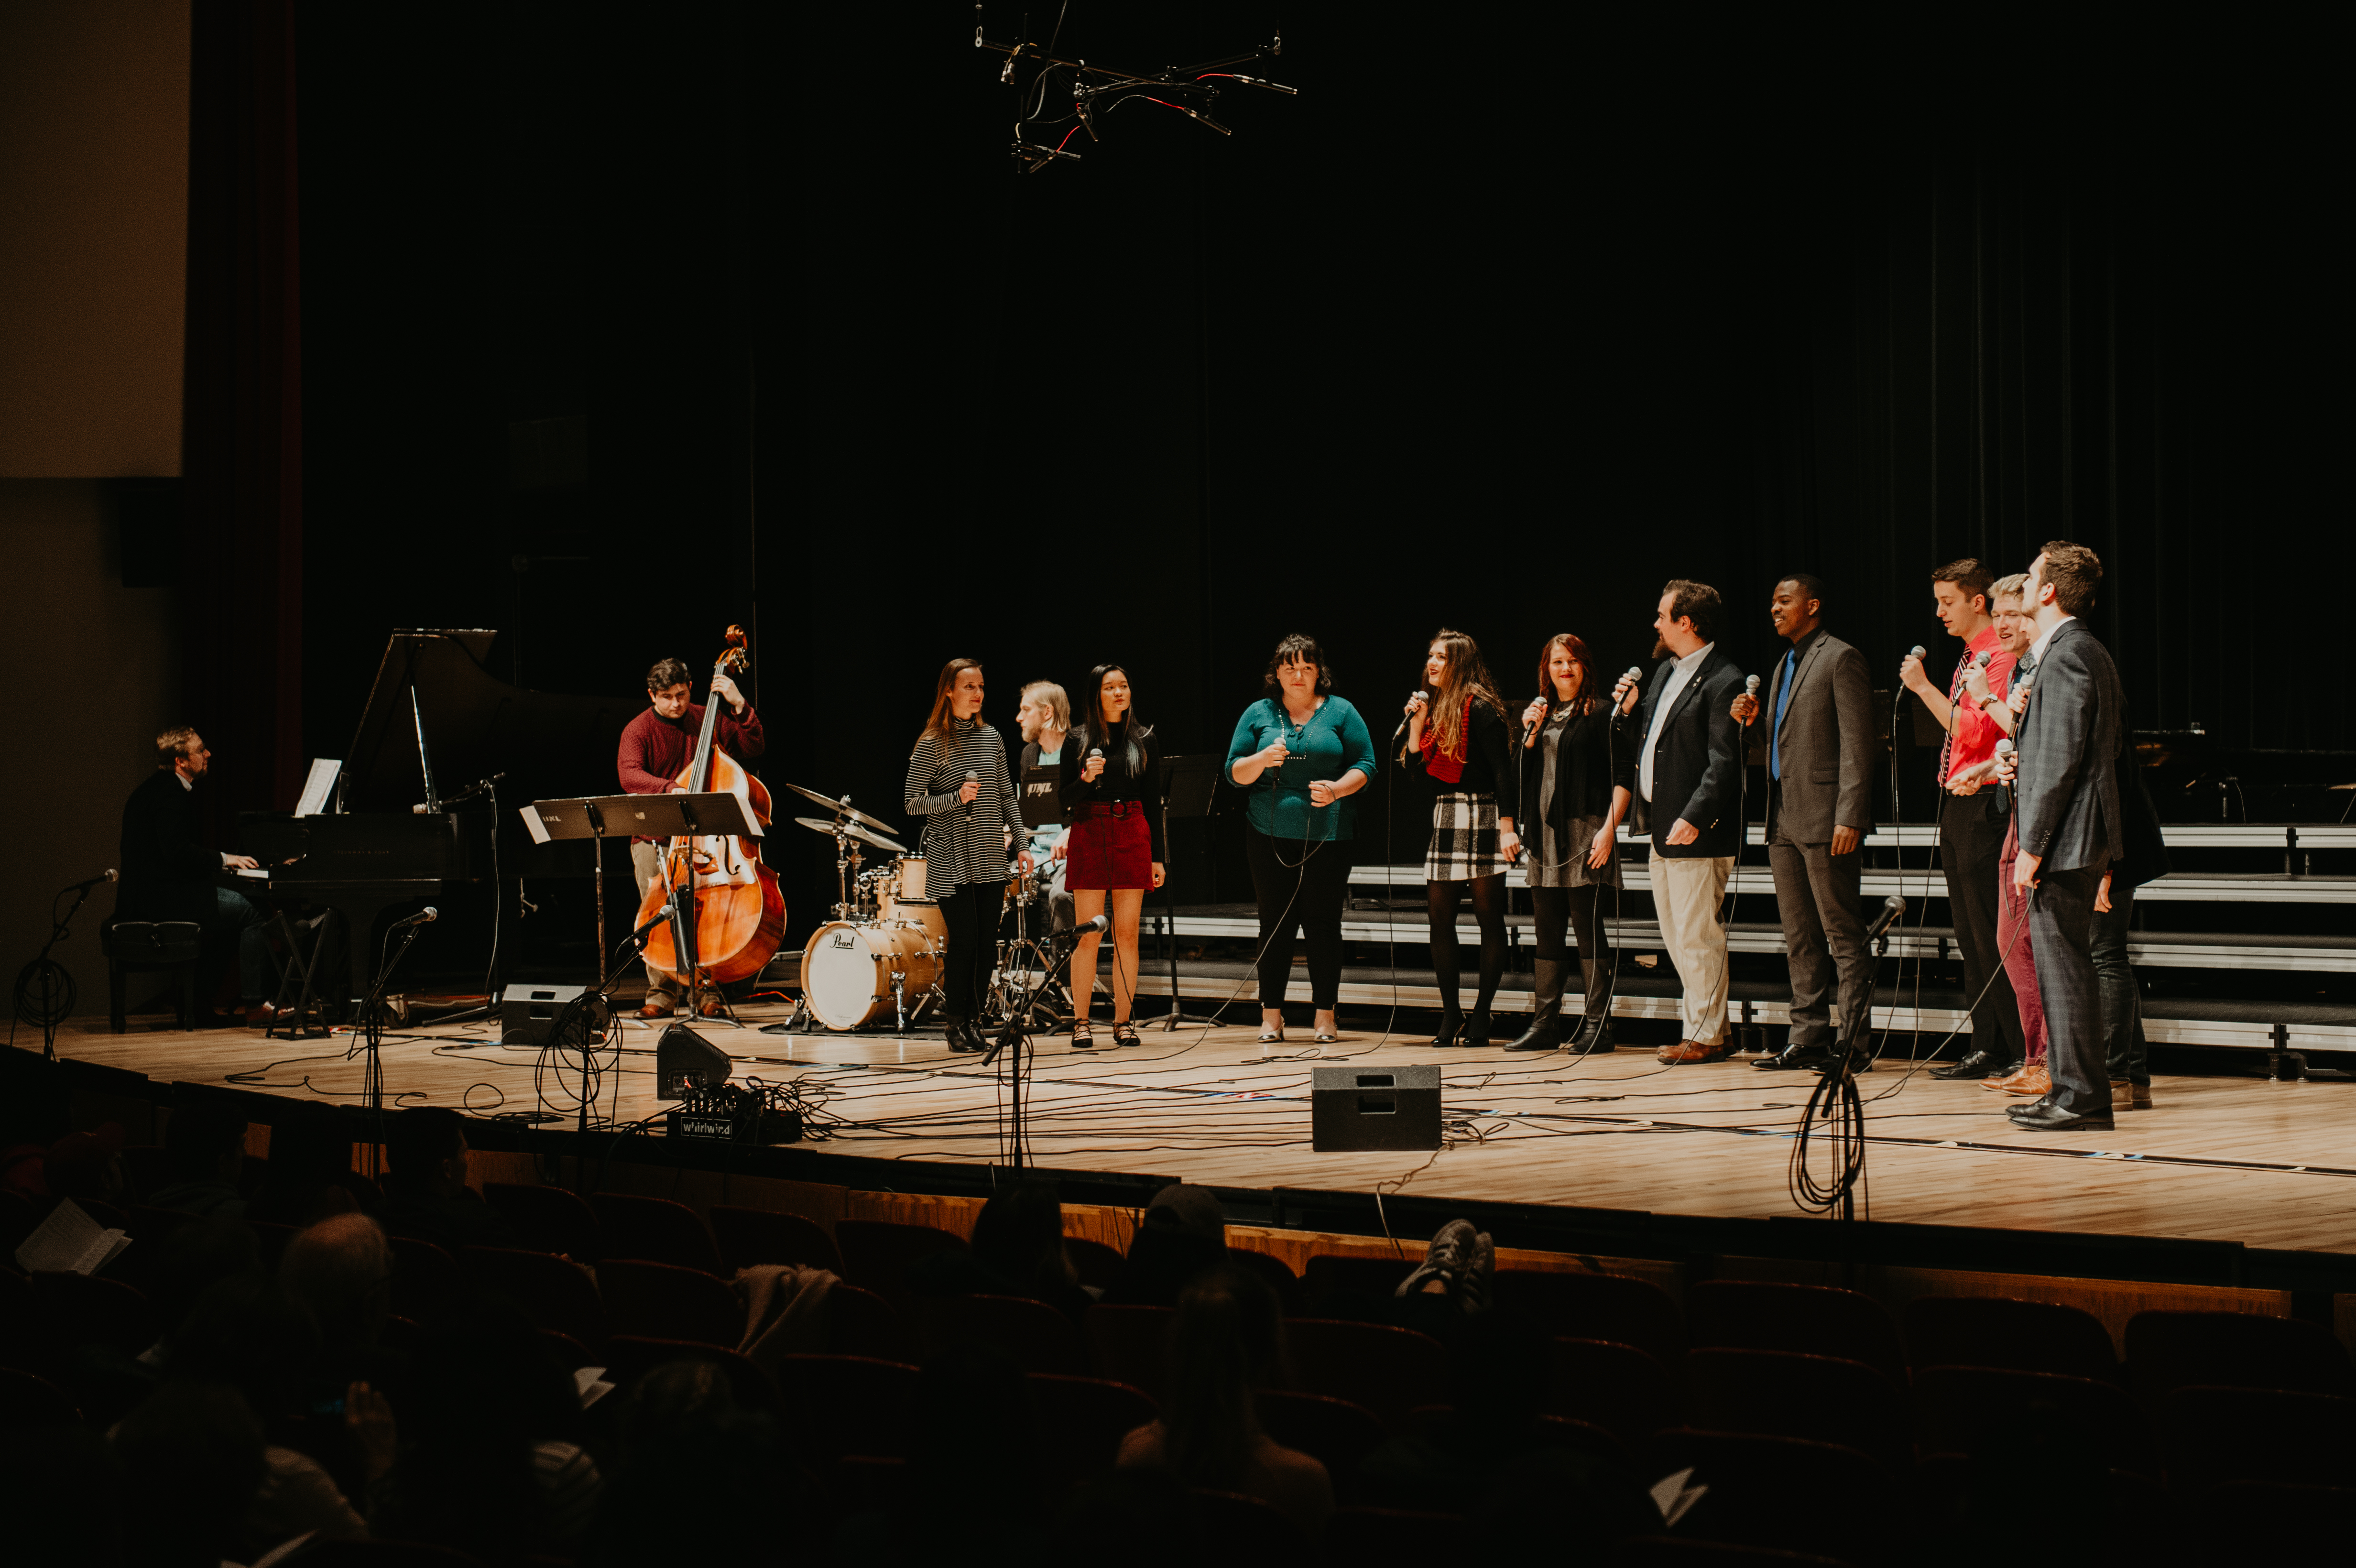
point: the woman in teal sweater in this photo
(1301, 752)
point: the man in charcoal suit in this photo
(1820, 746)
(1689, 780)
(2070, 828)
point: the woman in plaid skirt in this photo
(1456, 734)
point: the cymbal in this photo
(852, 830)
(852, 812)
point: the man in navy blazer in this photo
(2070, 828)
(1689, 783)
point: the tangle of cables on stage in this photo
(1095, 90)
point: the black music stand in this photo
(714, 815)
(1190, 787)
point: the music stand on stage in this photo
(716, 815)
(1189, 788)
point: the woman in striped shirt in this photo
(958, 779)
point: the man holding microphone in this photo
(1972, 824)
(1820, 745)
(1689, 773)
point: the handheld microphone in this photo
(425, 916)
(965, 808)
(1415, 701)
(1891, 909)
(1531, 728)
(109, 875)
(2004, 751)
(1987, 658)
(1917, 651)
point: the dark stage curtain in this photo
(2004, 350)
(242, 423)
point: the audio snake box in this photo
(1374, 1108)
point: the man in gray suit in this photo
(2069, 829)
(1820, 744)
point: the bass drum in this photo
(847, 971)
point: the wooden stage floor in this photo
(2264, 1164)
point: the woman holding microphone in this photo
(1111, 784)
(1456, 734)
(1301, 753)
(958, 782)
(1576, 791)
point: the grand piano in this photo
(435, 728)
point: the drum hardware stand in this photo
(1024, 950)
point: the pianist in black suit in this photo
(168, 874)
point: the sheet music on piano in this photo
(325, 771)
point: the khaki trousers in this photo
(1686, 893)
(646, 860)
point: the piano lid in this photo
(475, 725)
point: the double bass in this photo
(739, 913)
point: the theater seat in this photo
(748, 1237)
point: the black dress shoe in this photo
(963, 1036)
(1975, 1064)
(1476, 1031)
(1594, 1036)
(1797, 1058)
(2049, 1118)
(1544, 1033)
(1452, 1030)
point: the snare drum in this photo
(847, 971)
(903, 900)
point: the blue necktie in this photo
(1783, 702)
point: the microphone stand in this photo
(57, 985)
(371, 1023)
(561, 1026)
(1015, 1040)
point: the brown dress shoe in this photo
(654, 1010)
(1669, 1053)
(2126, 1097)
(710, 1008)
(2033, 1079)
(2011, 1082)
(1687, 1052)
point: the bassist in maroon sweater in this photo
(656, 748)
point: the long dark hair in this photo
(937, 723)
(1123, 743)
(1569, 644)
(1466, 678)
(1226, 1339)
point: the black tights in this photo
(1489, 913)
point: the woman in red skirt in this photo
(1112, 788)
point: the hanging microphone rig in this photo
(1096, 90)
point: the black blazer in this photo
(167, 873)
(1698, 766)
(2069, 789)
(1587, 763)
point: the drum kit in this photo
(879, 958)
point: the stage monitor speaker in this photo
(526, 1011)
(1374, 1108)
(684, 1060)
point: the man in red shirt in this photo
(1972, 826)
(656, 748)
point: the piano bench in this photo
(148, 945)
